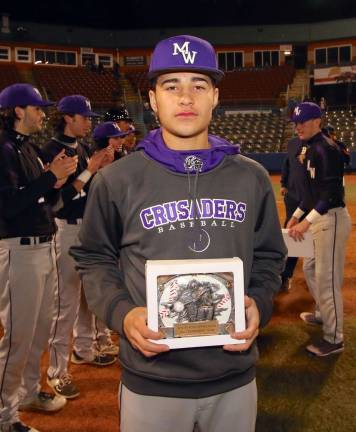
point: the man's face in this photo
(183, 102)
(30, 119)
(124, 125)
(307, 129)
(77, 126)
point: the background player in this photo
(330, 224)
(72, 122)
(122, 118)
(28, 278)
(108, 134)
(292, 186)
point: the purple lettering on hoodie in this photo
(147, 218)
(231, 208)
(241, 212)
(171, 211)
(159, 215)
(195, 211)
(175, 160)
(183, 209)
(206, 208)
(219, 208)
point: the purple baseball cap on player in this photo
(108, 130)
(76, 104)
(184, 53)
(22, 95)
(305, 111)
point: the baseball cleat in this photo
(310, 318)
(109, 348)
(324, 348)
(43, 402)
(64, 386)
(98, 360)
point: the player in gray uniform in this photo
(28, 277)
(72, 122)
(184, 194)
(329, 222)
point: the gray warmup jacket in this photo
(162, 204)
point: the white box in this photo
(194, 294)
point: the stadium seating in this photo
(255, 131)
(261, 86)
(8, 75)
(63, 81)
(344, 122)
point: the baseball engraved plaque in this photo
(195, 308)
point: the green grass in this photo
(302, 393)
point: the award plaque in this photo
(195, 302)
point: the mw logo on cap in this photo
(188, 56)
(87, 103)
(297, 111)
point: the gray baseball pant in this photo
(71, 315)
(233, 411)
(324, 272)
(28, 283)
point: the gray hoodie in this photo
(162, 204)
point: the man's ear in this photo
(153, 102)
(68, 118)
(216, 97)
(19, 112)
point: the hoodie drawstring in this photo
(193, 198)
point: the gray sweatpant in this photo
(233, 411)
(28, 282)
(325, 271)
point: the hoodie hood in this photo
(183, 161)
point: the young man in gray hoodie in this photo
(183, 195)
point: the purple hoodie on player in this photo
(187, 160)
(158, 203)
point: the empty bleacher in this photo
(255, 131)
(344, 122)
(8, 75)
(259, 86)
(138, 80)
(63, 81)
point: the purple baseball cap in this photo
(108, 130)
(306, 111)
(184, 53)
(22, 95)
(76, 104)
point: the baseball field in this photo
(297, 392)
